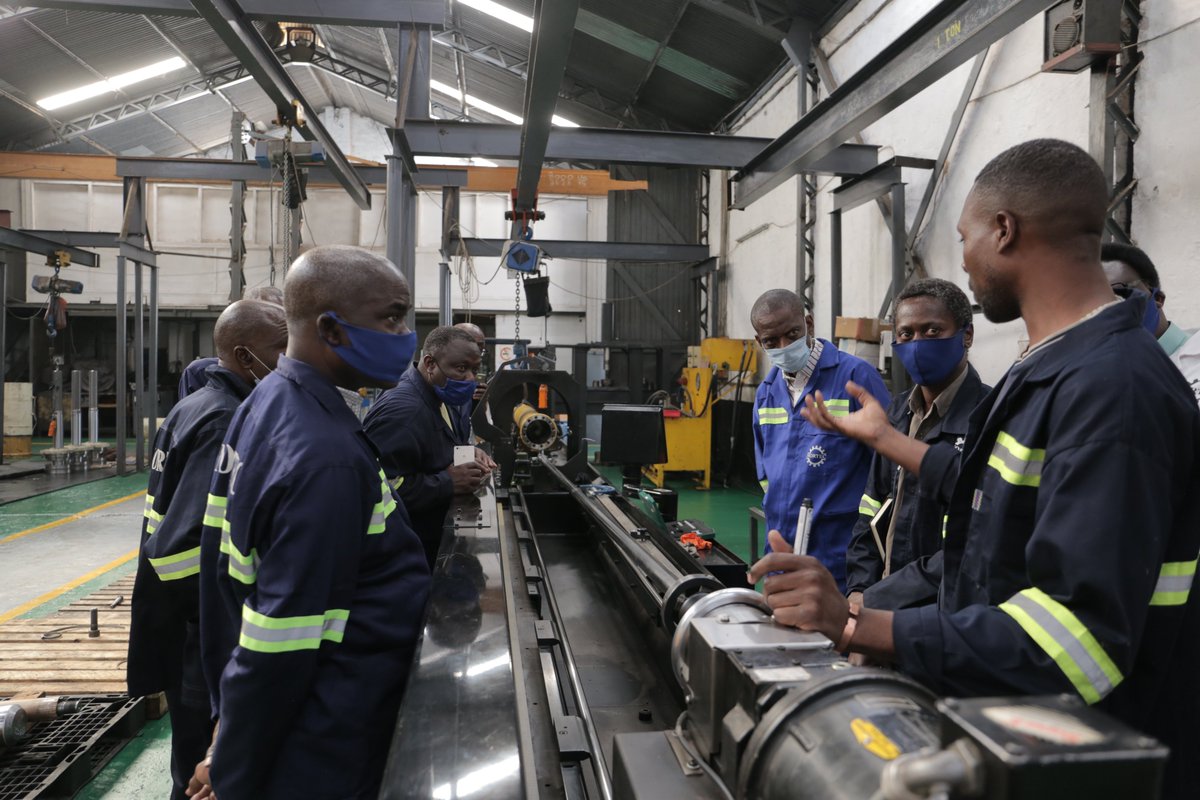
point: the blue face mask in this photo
(931, 361)
(456, 393)
(791, 358)
(380, 356)
(1150, 318)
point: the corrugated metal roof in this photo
(680, 64)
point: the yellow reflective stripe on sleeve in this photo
(1174, 583)
(838, 407)
(869, 505)
(152, 516)
(383, 509)
(1016, 463)
(264, 634)
(945, 524)
(764, 483)
(178, 566)
(397, 483)
(243, 568)
(1066, 640)
(214, 511)
(773, 416)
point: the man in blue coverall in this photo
(417, 425)
(797, 460)
(1071, 549)
(900, 525)
(313, 584)
(195, 374)
(164, 631)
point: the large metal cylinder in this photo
(536, 431)
(780, 715)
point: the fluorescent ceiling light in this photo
(502, 13)
(113, 84)
(453, 161)
(486, 107)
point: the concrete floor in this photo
(67, 544)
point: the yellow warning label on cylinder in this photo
(874, 740)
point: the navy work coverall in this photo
(916, 573)
(416, 435)
(164, 633)
(1073, 538)
(195, 376)
(315, 585)
(797, 460)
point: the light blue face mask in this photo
(791, 358)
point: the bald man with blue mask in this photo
(797, 461)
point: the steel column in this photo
(139, 375)
(950, 34)
(4, 344)
(835, 268)
(237, 213)
(445, 298)
(76, 408)
(152, 410)
(899, 262)
(93, 407)
(121, 383)
(243, 39)
(549, 47)
(56, 399)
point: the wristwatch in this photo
(843, 644)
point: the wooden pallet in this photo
(74, 663)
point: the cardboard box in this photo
(863, 329)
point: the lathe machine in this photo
(582, 642)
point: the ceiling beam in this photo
(549, 47)
(239, 34)
(366, 13)
(953, 32)
(616, 146)
(747, 21)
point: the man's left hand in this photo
(484, 460)
(803, 594)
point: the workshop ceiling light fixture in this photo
(113, 84)
(488, 108)
(502, 13)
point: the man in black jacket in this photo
(900, 527)
(416, 427)
(164, 647)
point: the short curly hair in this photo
(953, 298)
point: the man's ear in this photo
(968, 336)
(1160, 297)
(329, 330)
(809, 325)
(1007, 231)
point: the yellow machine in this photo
(715, 370)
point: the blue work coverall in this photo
(416, 435)
(164, 632)
(314, 584)
(1072, 540)
(195, 376)
(797, 460)
(916, 570)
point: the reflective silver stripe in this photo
(176, 567)
(1016, 463)
(214, 512)
(1065, 639)
(242, 568)
(1174, 585)
(286, 634)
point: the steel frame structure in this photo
(950, 34)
